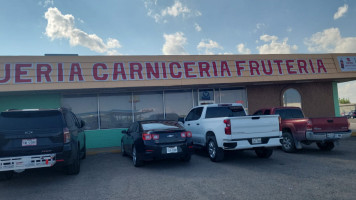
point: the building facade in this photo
(109, 92)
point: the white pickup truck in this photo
(222, 127)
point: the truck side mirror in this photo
(124, 131)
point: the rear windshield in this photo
(290, 113)
(226, 111)
(30, 120)
(161, 125)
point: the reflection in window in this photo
(291, 97)
(178, 103)
(115, 111)
(85, 107)
(233, 96)
(148, 106)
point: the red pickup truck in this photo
(297, 130)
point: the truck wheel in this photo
(216, 154)
(6, 175)
(74, 168)
(288, 144)
(264, 152)
(137, 162)
(123, 153)
(325, 146)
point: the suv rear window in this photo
(15, 120)
(225, 111)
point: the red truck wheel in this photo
(288, 144)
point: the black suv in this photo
(35, 138)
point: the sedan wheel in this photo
(135, 160)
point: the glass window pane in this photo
(233, 95)
(178, 103)
(148, 106)
(85, 107)
(291, 97)
(115, 111)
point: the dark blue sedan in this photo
(156, 139)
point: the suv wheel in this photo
(74, 168)
(216, 154)
(288, 144)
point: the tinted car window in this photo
(290, 113)
(30, 120)
(163, 125)
(267, 112)
(258, 112)
(194, 114)
(228, 111)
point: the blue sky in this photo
(166, 27)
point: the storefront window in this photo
(233, 95)
(148, 106)
(115, 111)
(291, 97)
(85, 107)
(178, 103)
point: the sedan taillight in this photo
(149, 136)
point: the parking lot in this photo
(308, 174)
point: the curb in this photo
(103, 150)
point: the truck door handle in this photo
(330, 120)
(197, 123)
(188, 124)
(255, 117)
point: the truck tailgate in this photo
(258, 126)
(329, 124)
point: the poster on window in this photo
(347, 63)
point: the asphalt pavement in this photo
(308, 174)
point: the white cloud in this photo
(331, 41)
(242, 49)
(176, 10)
(341, 11)
(208, 46)
(275, 46)
(46, 3)
(174, 44)
(347, 90)
(62, 26)
(289, 29)
(197, 27)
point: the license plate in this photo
(330, 135)
(256, 141)
(172, 149)
(29, 142)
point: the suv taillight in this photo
(228, 126)
(309, 125)
(66, 135)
